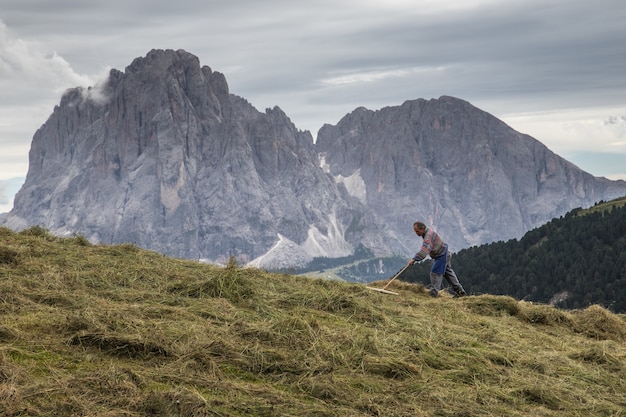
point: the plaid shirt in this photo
(432, 245)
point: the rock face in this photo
(162, 155)
(457, 168)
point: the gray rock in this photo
(164, 156)
(458, 169)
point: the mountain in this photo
(458, 168)
(164, 156)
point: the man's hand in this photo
(411, 261)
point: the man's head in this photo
(419, 228)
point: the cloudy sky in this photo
(554, 69)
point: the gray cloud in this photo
(318, 60)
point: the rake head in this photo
(384, 291)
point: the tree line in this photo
(572, 262)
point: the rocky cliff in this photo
(457, 168)
(164, 156)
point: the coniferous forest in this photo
(572, 262)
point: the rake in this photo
(383, 289)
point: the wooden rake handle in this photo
(396, 276)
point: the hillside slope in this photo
(118, 331)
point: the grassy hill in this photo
(88, 330)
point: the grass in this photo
(604, 206)
(92, 330)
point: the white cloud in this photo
(599, 130)
(377, 75)
(32, 80)
(618, 125)
(36, 69)
(592, 139)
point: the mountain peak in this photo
(162, 155)
(175, 163)
(157, 59)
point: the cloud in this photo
(551, 69)
(618, 125)
(377, 75)
(43, 72)
(593, 139)
(32, 80)
(96, 93)
(593, 129)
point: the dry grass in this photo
(91, 330)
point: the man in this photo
(434, 246)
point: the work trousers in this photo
(436, 278)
